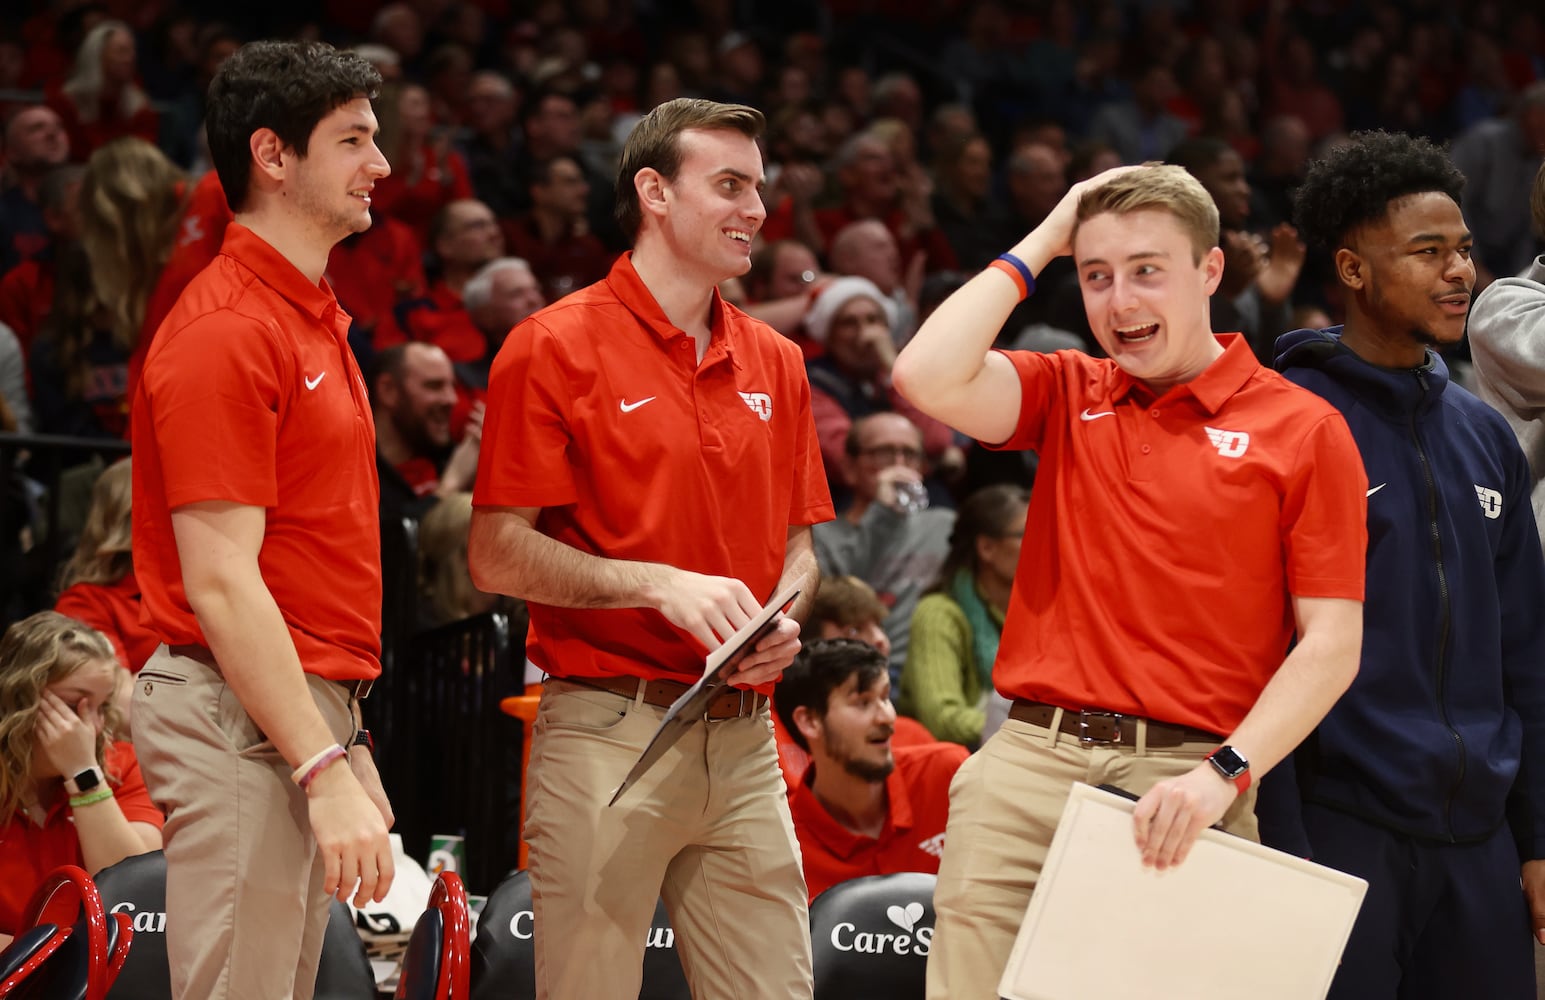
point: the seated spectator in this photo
(1499, 158)
(783, 277)
(967, 213)
(80, 370)
(373, 273)
(69, 795)
(862, 808)
(1141, 128)
(554, 237)
(101, 101)
(34, 143)
(27, 290)
(947, 681)
(854, 322)
(446, 591)
(1255, 295)
(503, 292)
(845, 608)
(427, 174)
(874, 187)
(866, 249)
(492, 145)
(880, 538)
(412, 393)
(98, 586)
(463, 237)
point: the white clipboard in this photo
(1235, 920)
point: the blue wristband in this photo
(1024, 271)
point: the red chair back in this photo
(438, 963)
(90, 951)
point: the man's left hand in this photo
(1168, 819)
(363, 763)
(1534, 892)
(764, 664)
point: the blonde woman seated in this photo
(446, 591)
(947, 681)
(68, 793)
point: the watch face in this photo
(1229, 761)
(86, 780)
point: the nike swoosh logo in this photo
(628, 407)
(312, 383)
(1377, 488)
(1090, 415)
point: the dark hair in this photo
(1355, 182)
(820, 668)
(655, 143)
(387, 361)
(541, 171)
(988, 512)
(845, 601)
(288, 87)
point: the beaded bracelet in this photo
(91, 798)
(307, 772)
(1017, 271)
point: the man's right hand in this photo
(887, 479)
(1053, 238)
(351, 834)
(711, 608)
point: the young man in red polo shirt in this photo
(1194, 510)
(862, 807)
(257, 547)
(650, 473)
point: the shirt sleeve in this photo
(1325, 514)
(811, 499)
(1038, 376)
(526, 437)
(216, 397)
(936, 679)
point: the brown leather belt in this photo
(730, 703)
(1097, 728)
(359, 690)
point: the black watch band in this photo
(362, 738)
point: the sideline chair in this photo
(436, 966)
(870, 937)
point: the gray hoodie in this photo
(1507, 342)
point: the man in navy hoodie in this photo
(1428, 777)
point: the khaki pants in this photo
(707, 829)
(244, 900)
(1005, 802)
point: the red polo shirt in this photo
(918, 802)
(251, 395)
(28, 852)
(1170, 533)
(600, 414)
(114, 610)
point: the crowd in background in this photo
(909, 143)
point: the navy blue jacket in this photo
(1442, 734)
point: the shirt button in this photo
(1154, 414)
(1147, 449)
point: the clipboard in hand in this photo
(689, 708)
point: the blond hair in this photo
(655, 143)
(84, 86)
(445, 582)
(103, 553)
(34, 653)
(131, 201)
(1157, 188)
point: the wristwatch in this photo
(1232, 765)
(85, 781)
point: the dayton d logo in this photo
(1230, 444)
(1491, 501)
(760, 403)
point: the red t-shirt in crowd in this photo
(251, 395)
(600, 414)
(28, 852)
(114, 610)
(443, 180)
(1171, 533)
(918, 806)
(26, 298)
(373, 272)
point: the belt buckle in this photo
(362, 689)
(740, 712)
(1083, 728)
